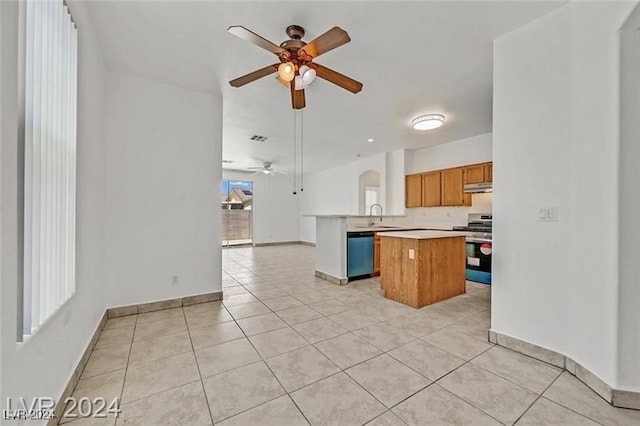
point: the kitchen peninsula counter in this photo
(419, 268)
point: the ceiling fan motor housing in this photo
(295, 32)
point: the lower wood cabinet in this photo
(376, 254)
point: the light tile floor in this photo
(286, 348)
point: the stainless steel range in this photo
(479, 246)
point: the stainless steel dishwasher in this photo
(359, 254)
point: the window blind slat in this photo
(50, 132)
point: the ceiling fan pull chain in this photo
(294, 152)
(301, 150)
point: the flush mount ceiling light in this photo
(427, 122)
(370, 140)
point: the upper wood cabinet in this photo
(445, 187)
(431, 189)
(453, 188)
(478, 173)
(488, 172)
(413, 190)
(474, 174)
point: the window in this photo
(370, 197)
(50, 83)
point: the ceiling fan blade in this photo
(255, 168)
(297, 96)
(251, 37)
(253, 76)
(333, 38)
(336, 78)
(279, 172)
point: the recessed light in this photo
(370, 140)
(428, 122)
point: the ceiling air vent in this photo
(259, 138)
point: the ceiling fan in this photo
(296, 68)
(267, 169)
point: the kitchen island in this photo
(331, 242)
(419, 268)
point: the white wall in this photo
(276, 211)
(476, 149)
(163, 180)
(42, 366)
(335, 191)
(555, 283)
(629, 249)
(395, 166)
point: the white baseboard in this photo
(616, 397)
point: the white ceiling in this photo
(412, 57)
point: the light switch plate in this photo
(412, 254)
(548, 214)
(552, 214)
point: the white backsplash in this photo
(447, 217)
(433, 217)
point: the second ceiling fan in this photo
(296, 67)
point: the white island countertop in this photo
(423, 235)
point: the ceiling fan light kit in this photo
(296, 57)
(287, 71)
(307, 75)
(427, 122)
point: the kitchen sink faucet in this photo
(371, 222)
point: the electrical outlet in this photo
(412, 254)
(174, 280)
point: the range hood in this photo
(476, 188)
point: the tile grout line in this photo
(380, 321)
(193, 349)
(555, 402)
(451, 371)
(270, 370)
(341, 370)
(126, 369)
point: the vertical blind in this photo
(50, 159)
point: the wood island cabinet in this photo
(422, 270)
